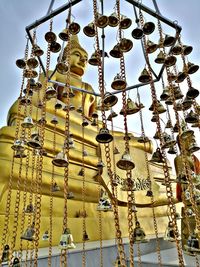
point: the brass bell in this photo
(116, 52)
(85, 236)
(102, 21)
(110, 100)
(137, 33)
(169, 101)
(60, 160)
(28, 92)
(170, 61)
(165, 94)
(95, 114)
(19, 154)
(148, 28)
(32, 84)
(116, 151)
(32, 63)
(104, 202)
(195, 125)
(193, 147)
(160, 58)
(66, 240)
(74, 28)
(94, 122)
(29, 233)
(18, 145)
(29, 73)
(34, 142)
(29, 208)
(192, 245)
(175, 128)
(37, 51)
(70, 195)
(64, 35)
(168, 124)
(187, 49)
(5, 253)
(58, 105)
(149, 193)
(156, 135)
(125, 22)
(94, 59)
(21, 63)
(68, 92)
(125, 45)
(172, 150)
(50, 92)
(80, 109)
(54, 120)
(168, 141)
(118, 83)
(55, 47)
(169, 40)
(171, 76)
(45, 236)
(177, 92)
(55, 188)
(100, 164)
(192, 117)
(186, 132)
(81, 172)
(131, 107)
(143, 139)
(154, 118)
(160, 108)
(85, 122)
(176, 50)
(16, 262)
(62, 67)
(27, 123)
(151, 47)
(181, 77)
(89, 30)
(111, 115)
(104, 136)
(179, 106)
(113, 20)
(192, 68)
(169, 233)
(125, 163)
(144, 76)
(139, 235)
(187, 103)
(192, 93)
(50, 37)
(157, 157)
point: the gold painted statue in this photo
(26, 186)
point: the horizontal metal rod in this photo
(52, 14)
(155, 14)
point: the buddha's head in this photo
(78, 57)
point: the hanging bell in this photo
(16, 262)
(172, 150)
(189, 212)
(116, 52)
(117, 262)
(104, 136)
(148, 28)
(28, 92)
(113, 20)
(137, 33)
(171, 76)
(94, 59)
(154, 118)
(60, 160)
(160, 108)
(94, 122)
(151, 47)
(192, 68)
(32, 84)
(54, 120)
(45, 236)
(66, 240)
(29, 73)
(170, 61)
(180, 77)
(144, 76)
(62, 67)
(19, 154)
(64, 35)
(102, 21)
(169, 101)
(143, 139)
(193, 147)
(112, 115)
(139, 235)
(50, 37)
(29, 208)
(192, 117)
(110, 100)
(29, 233)
(34, 142)
(125, 45)
(192, 244)
(165, 94)
(160, 58)
(27, 123)
(169, 233)
(21, 63)
(175, 128)
(85, 122)
(89, 30)
(37, 51)
(118, 83)
(116, 151)
(192, 93)
(74, 28)
(168, 141)
(100, 164)
(169, 40)
(5, 253)
(104, 203)
(95, 114)
(187, 49)
(157, 157)
(38, 86)
(81, 172)
(125, 163)
(70, 195)
(186, 132)
(125, 22)
(55, 188)
(18, 145)
(131, 107)
(149, 193)
(176, 50)
(55, 47)
(187, 103)
(50, 92)
(177, 92)
(32, 63)
(156, 135)
(85, 236)
(168, 124)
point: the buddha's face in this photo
(78, 61)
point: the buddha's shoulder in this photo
(88, 87)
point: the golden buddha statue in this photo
(78, 62)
